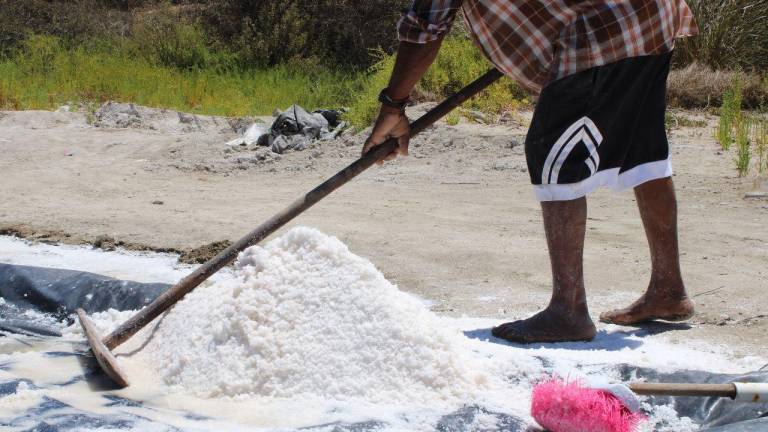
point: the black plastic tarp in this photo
(56, 293)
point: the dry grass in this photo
(698, 86)
(733, 34)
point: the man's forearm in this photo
(412, 62)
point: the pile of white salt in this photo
(304, 316)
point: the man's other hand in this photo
(391, 123)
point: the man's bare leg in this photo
(567, 317)
(665, 298)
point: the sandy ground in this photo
(456, 223)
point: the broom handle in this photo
(740, 391)
(671, 389)
(190, 282)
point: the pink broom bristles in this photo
(561, 406)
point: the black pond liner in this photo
(57, 293)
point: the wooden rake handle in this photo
(190, 282)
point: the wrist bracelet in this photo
(388, 101)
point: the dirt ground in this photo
(456, 223)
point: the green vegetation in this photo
(749, 131)
(238, 57)
(730, 114)
(364, 108)
(458, 64)
(761, 145)
(44, 73)
(743, 155)
(453, 118)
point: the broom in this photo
(561, 406)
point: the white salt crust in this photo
(305, 316)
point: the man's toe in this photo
(511, 331)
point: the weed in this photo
(453, 118)
(730, 114)
(743, 154)
(761, 144)
(673, 120)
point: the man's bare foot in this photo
(548, 326)
(651, 307)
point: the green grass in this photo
(45, 74)
(453, 118)
(365, 106)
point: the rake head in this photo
(103, 355)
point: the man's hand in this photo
(412, 61)
(391, 123)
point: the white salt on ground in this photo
(305, 316)
(318, 328)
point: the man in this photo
(600, 67)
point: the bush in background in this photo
(168, 39)
(339, 32)
(733, 34)
(697, 86)
(74, 21)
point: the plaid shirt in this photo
(538, 41)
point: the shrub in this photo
(697, 86)
(732, 34)
(169, 39)
(340, 32)
(75, 21)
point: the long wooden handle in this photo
(684, 389)
(190, 282)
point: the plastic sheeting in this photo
(293, 129)
(34, 299)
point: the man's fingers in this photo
(384, 129)
(367, 147)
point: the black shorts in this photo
(600, 127)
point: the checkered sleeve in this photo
(427, 20)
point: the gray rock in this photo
(117, 115)
(478, 116)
